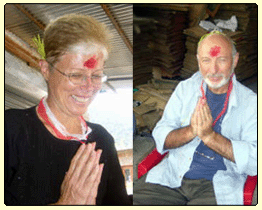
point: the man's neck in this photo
(220, 90)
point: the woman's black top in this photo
(36, 162)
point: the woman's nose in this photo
(87, 83)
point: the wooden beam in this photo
(214, 12)
(174, 7)
(117, 26)
(30, 16)
(21, 52)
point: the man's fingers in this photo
(198, 117)
(207, 112)
(202, 114)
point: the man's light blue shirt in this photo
(239, 126)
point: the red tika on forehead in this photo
(91, 63)
(214, 51)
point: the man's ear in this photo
(236, 59)
(44, 69)
(197, 56)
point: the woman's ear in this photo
(44, 69)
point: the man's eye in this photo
(222, 59)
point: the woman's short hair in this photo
(71, 30)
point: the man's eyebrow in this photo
(205, 57)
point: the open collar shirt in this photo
(239, 126)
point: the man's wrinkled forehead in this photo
(214, 45)
(215, 32)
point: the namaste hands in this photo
(81, 182)
(201, 121)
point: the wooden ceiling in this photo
(24, 21)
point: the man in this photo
(209, 128)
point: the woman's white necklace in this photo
(85, 129)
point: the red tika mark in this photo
(215, 51)
(91, 63)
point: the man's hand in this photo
(201, 125)
(81, 182)
(204, 121)
(194, 120)
(201, 121)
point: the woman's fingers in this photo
(83, 176)
(91, 167)
(93, 193)
(79, 160)
(77, 156)
(73, 164)
(90, 185)
(82, 161)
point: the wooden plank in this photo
(117, 26)
(144, 108)
(21, 52)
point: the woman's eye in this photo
(76, 75)
(96, 76)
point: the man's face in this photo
(216, 62)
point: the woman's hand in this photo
(81, 182)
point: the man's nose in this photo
(214, 67)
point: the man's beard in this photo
(223, 82)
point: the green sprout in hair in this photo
(40, 46)
(211, 33)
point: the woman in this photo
(52, 156)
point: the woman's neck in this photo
(72, 124)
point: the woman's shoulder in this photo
(97, 128)
(100, 132)
(17, 116)
(16, 124)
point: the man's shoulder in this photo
(244, 92)
(192, 83)
(246, 99)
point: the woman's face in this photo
(67, 98)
